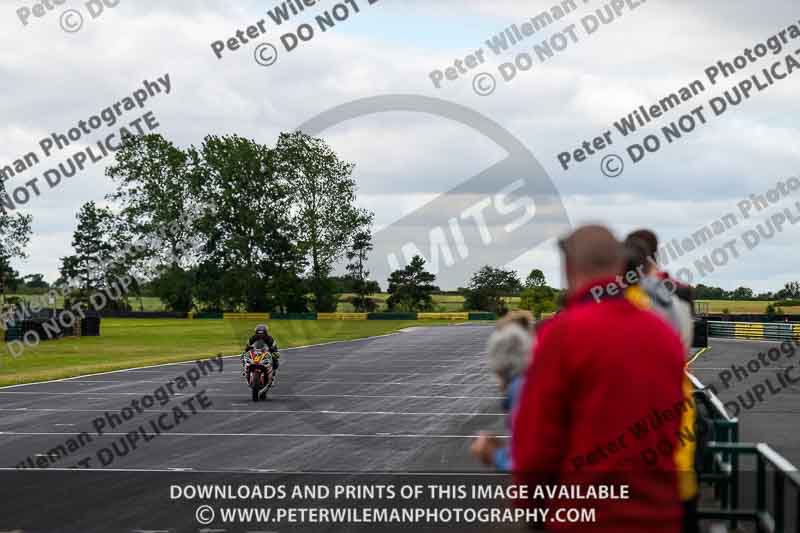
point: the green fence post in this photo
(778, 500)
(761, 489)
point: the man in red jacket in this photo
(600, 408)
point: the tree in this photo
(535, 279)
(36, 281)
(248, 242)
(410, 288)
(790, 290)
(538, 297)
(92, 241)
(703, 292)
(15, 234)
(158, 206)
(175, 288)
(362, 286)
(743, 293)
(324, 211)
(487, 288)
(773, 311)
(538, 300)
(10, 278)
(154, 191)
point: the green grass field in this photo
(127, 343)
(743, 306)
(147, 303)
(442, 303)
(447, 303)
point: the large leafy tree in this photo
(157, 210)
(324, 211)
(154, 192)
(535, 279)
(743, 293)
(411, 287)
(790, 290)
(357, 272)
(36, 281)
(15, 234)
(248, 241)
(488, 287)
(538, 297)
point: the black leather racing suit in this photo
(272, 346)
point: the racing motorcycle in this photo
(258, 370)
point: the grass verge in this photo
(129, 343)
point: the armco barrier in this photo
(246, 316)
(13, 331)
(392, 316)
(752, 330)
(207, 315)
(741, 317)
(341, 316)
(442, 316)
(294, 316)
(481, 315)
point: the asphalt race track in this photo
(773, 420)
(401, 404)
(399, 407)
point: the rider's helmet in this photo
(261, 329)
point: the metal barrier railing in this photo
(754, 330)
(721, 468)
(718, 468)
(770, 515)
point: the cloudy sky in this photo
(430, 153)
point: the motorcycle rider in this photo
(262, 334)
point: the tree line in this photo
(237, 225)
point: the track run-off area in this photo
(402, 405)
(770, 417)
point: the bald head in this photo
(591, 252)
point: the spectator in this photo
(510, 348)
(657, 290)
(602, 367)
(521, 317)
(681, 290)
(678, 314)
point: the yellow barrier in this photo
(341, 316)
(246, 316)
(796, 332)
(442, 316)
(749, 331)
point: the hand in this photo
(484, 448)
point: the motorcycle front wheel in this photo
(255, 385)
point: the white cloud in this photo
(52, 80)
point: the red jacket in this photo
(598, 408)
